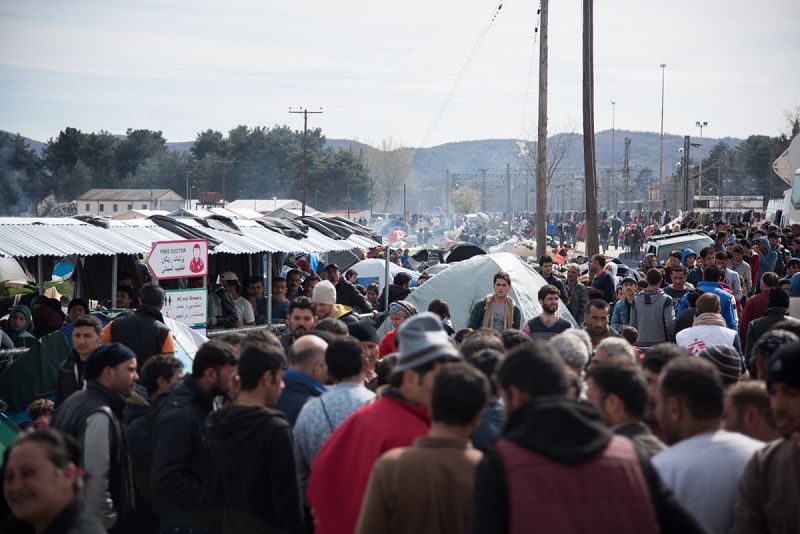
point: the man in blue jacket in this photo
(710, 283)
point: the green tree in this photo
(132, 151)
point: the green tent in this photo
(34, 374)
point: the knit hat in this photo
(403, 307)
(364, 331)
(727, 361)
(104, 356)
(784, 366)
(422, 340)
(324, 293)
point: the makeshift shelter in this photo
(464, 251)
(374, 270)
(463, 284)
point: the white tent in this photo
(466, 282)
(373, 270)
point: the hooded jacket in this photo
(685, 254)
(559, 469)
(769, 258)
(255, 475)
(654, 316)
(21, 338)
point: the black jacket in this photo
(568, 432)
(762, 325)
(181, 465)
(347, 294)
(641, 436)
(76, 518)
(395, 293)
(295, 394)
(71, 417)
(70, 377)
(255, 470)
(144, 332)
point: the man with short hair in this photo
(294, 279)
(678, 288)
(306, 376)
(597, 321)
(596, 481)
(93, 417)
(621, 315)
(703, 462)
(709, 330)
(729, 276)
(279, 303)
(753, 259)
(182, 464)
(428, 487)
(618, 389)
(705, 259)
(301, 321)
(125, 296)
(255, 296)
(613, 348)
(342, 467)
(747, 411)
(577, 296)
(602, 285)
(321, 415)
(767, 500)
(497, 310)
(85, 339)
(346, 293)
(548, 323)
(777, 310)
(252, 446)
(758, 304)
(653, 315)
(144, 332)
(399, 289)
(546, 266)
(738, 265)
(711, 284)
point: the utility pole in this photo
(626, 173)
(508, 191)
(305, 113)
(405, 214)
(661, 150)
(447, 193)
(592, 237)
(701, 125)
(541, 143)
(225, 177)
(483, 189)
(613, 152)
(188, 202)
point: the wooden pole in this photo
(541, 143)
(592, 238)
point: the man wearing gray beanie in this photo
(94, 418)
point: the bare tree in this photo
(387, 165)
(466, 200)
(557, 147)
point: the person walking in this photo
(548, 323)
(709, 328)
(306, 376)
(653, 314)
(577, 296)
(71, 373)
(497, 310)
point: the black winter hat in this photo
(104, 356)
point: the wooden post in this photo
(592, 238)
(541, 143)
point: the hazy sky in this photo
(384, 68)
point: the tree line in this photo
(248, 162)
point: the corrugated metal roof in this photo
(29, 237)
(126, 194)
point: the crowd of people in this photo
(665, 400)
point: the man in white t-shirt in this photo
(244, 310)
(703, 464)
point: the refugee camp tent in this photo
(463, 284)
(373, 270)
(464, 251)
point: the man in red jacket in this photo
(557, 468)
(757, 305)
(341, 469)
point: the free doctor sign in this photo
(187, 258)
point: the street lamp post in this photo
(701, 125)
(661, 150)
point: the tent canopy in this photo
(373, 270)
(464, 283)
(464, 251)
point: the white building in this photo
(111, 202)
(268, 205)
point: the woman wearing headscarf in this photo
(19, 320)
(612, 267)
(399, 312)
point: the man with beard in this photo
(577, 296)
(597, 321)
(301, 321)
(703, 463)
(94, 418)
(768, 488)
(182, 463)
(546, 264)
(548, 323)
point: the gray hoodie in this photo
(653, 316)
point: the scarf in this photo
(508, 317)
(709, 319)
